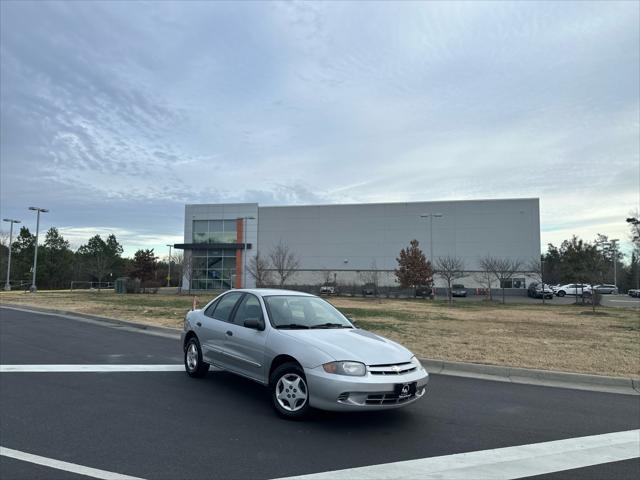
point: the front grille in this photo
(386, 399)
(392, 369)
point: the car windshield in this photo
(293, 311)
(458, 286)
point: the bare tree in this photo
(284, 262)
(503, 270)
(485, 275)
(258, 268)
(371, 276)
(450, 268)
(177, 262)
(187, 268)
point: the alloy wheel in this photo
(291, 392)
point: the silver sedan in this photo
(303, 349)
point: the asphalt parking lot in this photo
(164, 425)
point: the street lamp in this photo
(7, 285)
(244, 253)
(169, 275)
(430, 216)
(35, 254)
(614, 247)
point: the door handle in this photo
(199, 324)
(230, 333)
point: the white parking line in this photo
(502, 463)
(66, 466)
(89, 368)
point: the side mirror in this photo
(254, 323)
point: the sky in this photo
(114, 115)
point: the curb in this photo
(527, 376)
(550, 378)
(168, 332)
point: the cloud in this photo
(119, 114)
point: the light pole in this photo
(7, 285)
(169, 274)
(35, 253)
(614, 248)
(244, 253)
(430, 216)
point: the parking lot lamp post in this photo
(169, 274)
(430, 216)
(7, 285)
(35, 253)
(614, 250)
(244, 253)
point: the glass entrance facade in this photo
(213, 269)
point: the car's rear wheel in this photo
(193, 363)
(289, 391)
(561, 293)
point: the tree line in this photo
(98, 262)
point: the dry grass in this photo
(565, 337)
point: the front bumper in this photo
(328, 391)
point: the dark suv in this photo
(458, 290)
(537, 290)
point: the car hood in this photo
(352, 344)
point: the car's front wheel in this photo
(561, 293)
(289, 391)
(193, 363)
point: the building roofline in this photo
(399, 203)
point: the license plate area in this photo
(405, 390)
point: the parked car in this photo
(606, 288)
(423, 291)
(369, 290)
(304, 350)
(537, 290)
(634, 293)
(555, 288)
(573, 289)
(327, 290)
(458, 290)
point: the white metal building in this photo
(347, 240)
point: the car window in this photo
(303, 312)
(225, 306)
(249, 308)
(209, 310)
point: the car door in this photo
(215, 320)
(244, 347)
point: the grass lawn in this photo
(552, 337)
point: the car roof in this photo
(268, 292)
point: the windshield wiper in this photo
(331, 325)
(292, 326)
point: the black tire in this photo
(199, 368)
(290, 370)
(561, 293)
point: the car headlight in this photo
(417, 363)
(354, 369)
